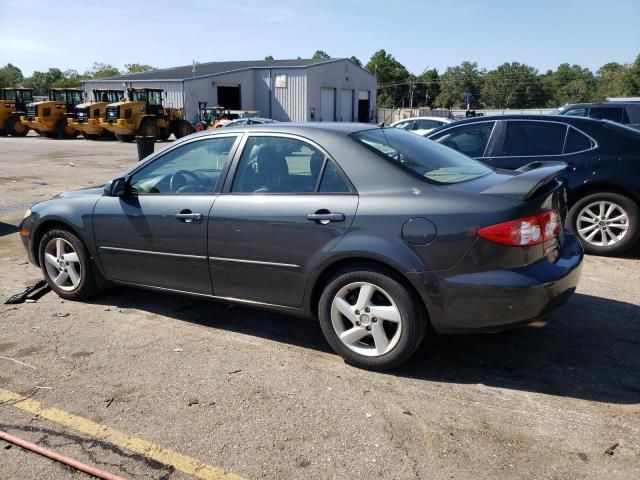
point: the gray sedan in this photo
(380, 234)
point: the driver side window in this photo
(188, 169)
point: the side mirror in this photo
(115, 188)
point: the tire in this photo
(3, 133)
(49, 134)
(91, 136)
(587, 224)
(164, 134)
(200, 127)
(15, 128)
(125, 138)
(403, 334)
(148, 128)
(59, 245)
(64, 130)
(182, 128)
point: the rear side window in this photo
(533, 138)
(426, 124)
(576, 142)
(420, 156)
(607, 113)
(468, 139)
(405, 125)
(576, 112)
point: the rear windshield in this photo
(431, 161)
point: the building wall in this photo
(342, 75)
(281, 93)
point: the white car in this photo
(421, 125)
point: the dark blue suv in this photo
(602, 175)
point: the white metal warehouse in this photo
(301, 90)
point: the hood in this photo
(93, 190)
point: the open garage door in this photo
(327, 104)
(364, 105)
(229, 97)
(346, 102)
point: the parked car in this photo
(602, 178)
(421, 125)
(241, 122)
(627, 113)
(377, 232)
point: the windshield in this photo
(25, 96)
(433, 162)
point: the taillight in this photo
(523, 231)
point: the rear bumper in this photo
(502, 299)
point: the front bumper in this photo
(91, 126)
(38, 123)
(120, 126)
(497, 300)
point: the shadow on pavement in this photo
(7, 229)
(589, 350)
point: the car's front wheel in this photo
(606, 223)
(370, 319)
(66, 264)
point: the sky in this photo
(418, 33)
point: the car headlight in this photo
(27, 213)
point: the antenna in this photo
(411, 86)
(193, 69)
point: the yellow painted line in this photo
(183, 463)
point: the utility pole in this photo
(411, 87)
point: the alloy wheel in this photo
(366, 319)
(63, 264)
(602, 223)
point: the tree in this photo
(614, 80)
(269, 57)
(427, 88)
(137, 67)
(10, 76)
(569, 84)
(392, 79)
(635, 76)
(320, 55)
(458, 80)
(42, 82)
(355, 60)
(102, 70)
(513, 85)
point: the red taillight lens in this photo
(523, 231)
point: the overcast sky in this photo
(38, 34)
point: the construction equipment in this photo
(215, 117)
(143, 113)
(49, 117)
(13, 101)
(86, 116)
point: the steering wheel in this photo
(173, 182)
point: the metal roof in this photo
(216, 68)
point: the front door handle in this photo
(325, 217)
(187, 216)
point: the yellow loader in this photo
(13, 101)
(49, 118)
(143, 113)
(86, 116)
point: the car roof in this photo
(341, 128)
(445, 119)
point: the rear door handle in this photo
(187, 216)
(325, 218)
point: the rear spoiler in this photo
(527, 180)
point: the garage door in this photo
(327, 104)
(346, 112)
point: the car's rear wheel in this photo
(370, 319)
(66, 264)
(606, 223)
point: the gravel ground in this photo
(274, 402)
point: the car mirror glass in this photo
(116, 188)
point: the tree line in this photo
(511, 85)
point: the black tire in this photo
(64, 130)
(623, 204)
(15, 128)
(91, 136)
(87, 280)
(182, 128)
(148, 128)
(125, 138)
(49, 134)
(164, 134)
(3, 133)
(413, 322)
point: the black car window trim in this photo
(594, 144)
(233, 168)
(223, 173)
(454, 125)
